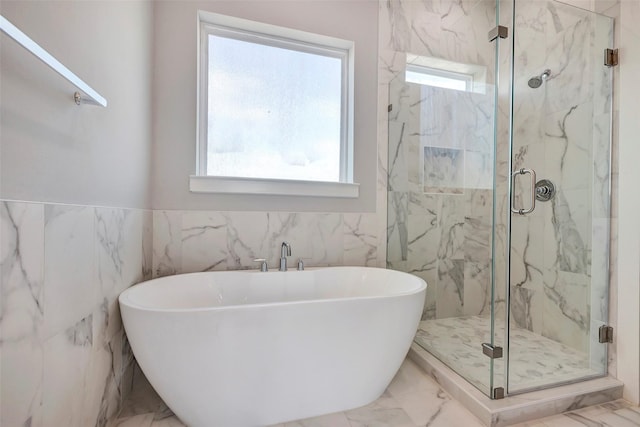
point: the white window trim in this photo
(266, 186)
(242, 29)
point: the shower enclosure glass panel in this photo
(559, 254)
(441, 178)
(477, 130)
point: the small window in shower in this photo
(445, 74)
(438, 78)
(274, 103)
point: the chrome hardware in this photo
(605, 334)
(300, 265)
(499, 31)
(611, 57)
(263, 264)
(285, 251)
(498, 393)
(532, 206)
(545, 190)
(494, 352)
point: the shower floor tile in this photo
(534, 360)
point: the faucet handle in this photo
(300, 264)
(263, 265)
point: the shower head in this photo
(536, 81)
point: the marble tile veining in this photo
(413, 399)
(533, 360)
(65, 358)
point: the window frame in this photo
(270, 35)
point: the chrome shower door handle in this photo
(532, 203)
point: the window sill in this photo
(276, 187)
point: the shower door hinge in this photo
(494, 352)
(499, 31)
(389, 108)
(611, 57)
(498, 393)
(605, 334)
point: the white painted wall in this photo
(174, 121)
(51, 149)
(628, 333)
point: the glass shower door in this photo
(560, 201)
(441, 177)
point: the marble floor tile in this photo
(384, 412)
(142, 420)
(618, 413)
(172, 421)
(534, 360)
(413, 399)
(332, 420)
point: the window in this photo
(437, 72)
(274, 106)
(438, 78)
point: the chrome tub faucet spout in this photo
(285, 251)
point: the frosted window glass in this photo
(273, 112)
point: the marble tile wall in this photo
(65, 358)
(191, 241)
(562, 129)
(440, 154)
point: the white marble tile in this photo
(204, 241)
(249, 238)
(601, 179)
(443, 170)
(331, 420)
(104, 383)
(147, 244)
(477, 238)
(397, 231)
(69, 287)
(478, 170)
(451, 223)
(569, 49)
(423, 229)
(172, 421)
(118, 259)
(360, 239)
(398, 168)
(67, 359)
(118, 249)
(384, 412)
(534, 359)
(450, 288)
(439, 410)
(167, 243)
(232, 240)
(21, 322)
(142, 420)
(317, 237)
(477, 288)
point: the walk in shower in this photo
(499, 187)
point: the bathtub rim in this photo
(125, 299)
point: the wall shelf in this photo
(92, 97)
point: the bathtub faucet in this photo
(285, 251)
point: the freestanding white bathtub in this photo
(249, 348)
